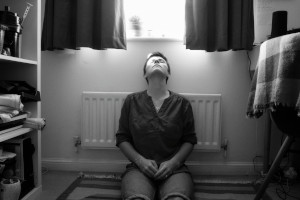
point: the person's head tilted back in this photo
(156, 62)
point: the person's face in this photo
(156, 64)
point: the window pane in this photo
(159, 18)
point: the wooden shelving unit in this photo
(8, 59)
(13, 134)
(27, 68)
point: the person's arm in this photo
(184, 151)
(166, 168)
(148, 167)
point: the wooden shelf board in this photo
(14, 133)
(16, 60)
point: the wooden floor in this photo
(55, 182)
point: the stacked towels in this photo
(35, 123)
(10, 106)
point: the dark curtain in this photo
(71, 24)
(219, 25)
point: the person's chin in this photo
(157, 73)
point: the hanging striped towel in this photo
(276, 81)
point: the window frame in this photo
(157, 36)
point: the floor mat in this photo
(92, 187)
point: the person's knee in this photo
(137, 197)
(175, 198)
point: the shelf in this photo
(27, 68)
(11, 59)
(15, 133)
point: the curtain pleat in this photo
(71, 24)
(219, 25)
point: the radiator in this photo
(101, 112)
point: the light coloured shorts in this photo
(137, 185)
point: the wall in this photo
(65, 74)
(263, 10)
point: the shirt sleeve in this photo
(189, 134)
(123, 133)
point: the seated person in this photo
(156, 133)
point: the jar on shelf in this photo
(12, 39)
(10, 189)
(3, 28)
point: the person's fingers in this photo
(154, 164)
(151, 168)
(162, 172)
(154, 167)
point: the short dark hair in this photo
(159, 54)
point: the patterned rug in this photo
(100, 187)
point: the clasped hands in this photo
(151, 169)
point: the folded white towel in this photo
(11, 100)
(35, 123)
(7, 109)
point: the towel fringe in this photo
(259, 110)
(99, 176)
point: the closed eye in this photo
(159, 60)
(162, 61)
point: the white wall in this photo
(263, 10)
(65, 74)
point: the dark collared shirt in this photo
(156, 135)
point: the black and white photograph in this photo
(149, 100)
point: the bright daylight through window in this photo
(154, 18)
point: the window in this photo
(155, 18)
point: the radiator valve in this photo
(77, 142)
(224, 146)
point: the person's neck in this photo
(157, 88)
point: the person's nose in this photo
(156, 61)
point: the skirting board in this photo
(197, 168)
